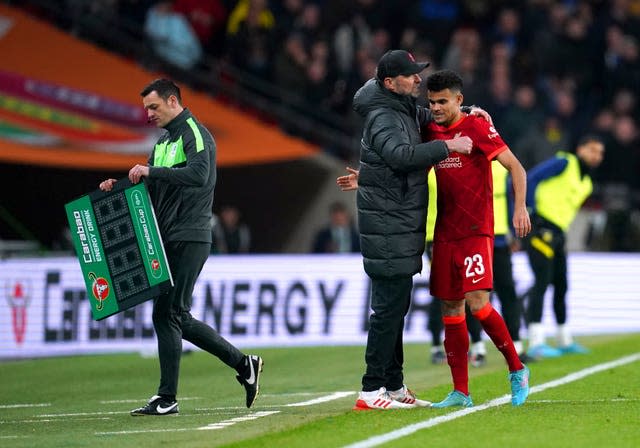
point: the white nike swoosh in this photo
(476, 280)
(252, 377)
(162, 410)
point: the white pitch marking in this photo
(142, 431)
(223, 409)
(233, 421)
(324, 399)
(81, 414)
(133, 400)
(212, 426)
(45, 420)
(410, 429)
(24, 405)
(599, 400)
(294, 394)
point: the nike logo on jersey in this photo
(476, 280)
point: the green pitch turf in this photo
(306, 399)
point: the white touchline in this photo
(333, 396)
(24, 405)
(599, 400)
(410, 429)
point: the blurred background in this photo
(274, 80)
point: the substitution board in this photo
(119, 246)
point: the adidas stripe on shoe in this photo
(381, 399)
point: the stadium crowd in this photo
(546, 70)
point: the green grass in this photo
(598, 410)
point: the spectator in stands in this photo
(308, 24)
(134, 12)
(208, 18)
(507, 30)
(620, 172)
(251, 36)
(340, 236)
(523, 114)
(230, 235)
(172, 37)
(286, 12)
(540, 142)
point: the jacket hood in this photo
(373, 96)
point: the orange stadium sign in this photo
(68, 103)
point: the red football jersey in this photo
(465, 185)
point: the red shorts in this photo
(461, 266)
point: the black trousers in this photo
(548, 259)
(503, 286)
(390, 299)
(172, 318)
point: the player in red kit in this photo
(461, 268)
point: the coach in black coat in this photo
(392, 205)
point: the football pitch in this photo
(306, 399)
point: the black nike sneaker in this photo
(157, 406)
(250, 377)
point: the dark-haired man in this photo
(557, 189)
(461, 269)
(181, 177)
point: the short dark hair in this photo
(444, 79)
(588, 138)
(164, 87)
(337, 207)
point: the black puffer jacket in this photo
(392, 194)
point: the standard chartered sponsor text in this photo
(450, 162)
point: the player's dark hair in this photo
(588, 138)
(444, 79)
(164, 87)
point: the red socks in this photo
(493, 324)
(456, 345)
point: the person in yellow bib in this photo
(556, 190)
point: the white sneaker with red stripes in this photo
(379, 399)
(406, 395)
